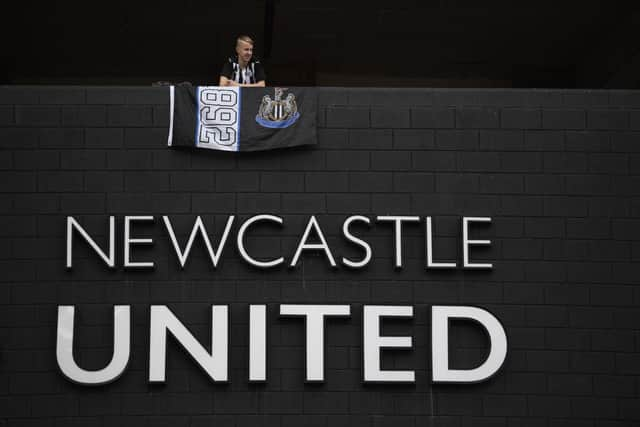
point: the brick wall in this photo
(556, 170)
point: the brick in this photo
(634, 119)
(348, 117)
(136, 160)
(519, 118)
(61, 95)
(565, 162)
(433, 117)
(563, 119)
(587, 141)
(104, 137)
(191, 181)
(105, 95)
(82, 203)
(608, 163)
(348, 203)
(628, 363)
(625, 142)
(588, 184)
(35, 203)
(18, 95)
(84, 116)
(135, 182)
(129, 116)
(332, 96)
(23, 138)
(608, 119)
(60, 181)
(570, 384)
(479, 162)
(348, 160)
(520, 162)
(369, 139)
(304, 160)
(211, 203)
(501, 140)
(544, 184)
(391, 203)
(61, 138)
(147, 138)
(325, 182)
(83, 159)
(544, 227)
(325, 402)
(390, 118)
(37, 116)
(505, 406)
(6, 115)
(17, 182)
(146, 95)
(413, 182)
(610, 385)
(433, 161)
(544, 140)
(597, 408)
(589, 228)
(282, 181)
(458, 183)
(161, 116)
(477, 118)
(106, 181)
(628, 409)
(410, 139)
(34, 160)
(390, 160)
(592, 362)
(456, 139)
(303, 203)
(371, 182)
(581, 98)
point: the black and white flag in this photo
(241, 119)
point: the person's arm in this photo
(259, 84)
(225, 75)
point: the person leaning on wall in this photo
(243, 69)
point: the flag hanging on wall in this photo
(241, 119)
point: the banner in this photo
(241, 119)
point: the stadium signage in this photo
(215, 362)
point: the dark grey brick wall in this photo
(556, 170)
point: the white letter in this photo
(163, 320)
(109, 260)
(121, 345)
(214, 255)
(257, 343)
(398, 232)
(240, 240)
(304, 245)
(314, 319)
(373, 342)
(430, 263)
(466, 242)
(359, 242)
(440, 316)
(128, 242)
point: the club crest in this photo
(278, 112)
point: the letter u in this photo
(121, 347)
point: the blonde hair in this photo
(244, 38)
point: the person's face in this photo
(244, 50)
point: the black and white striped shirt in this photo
(253, 73)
